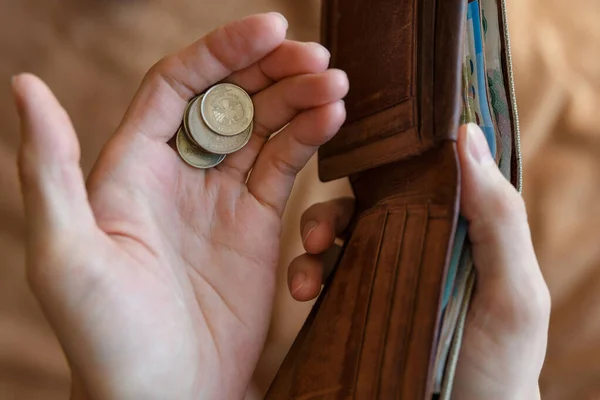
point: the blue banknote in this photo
(474, 29)
(476, 108)
(492, 44)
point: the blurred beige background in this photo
(93, 53)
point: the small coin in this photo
(186, 127)
(227, 109)
(193, 155)
(208, 140)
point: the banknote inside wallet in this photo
(487, 100)
(403, 86)
(389, 321)
(412, 116)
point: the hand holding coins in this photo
(175, 269)
(215, 123)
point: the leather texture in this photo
(373, 331)
(404, 69)
(94, 54)
(371, 334)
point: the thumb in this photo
(503, 252)
(510, 311)
(52, 183)
(498, 227)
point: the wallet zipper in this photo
(513, 98)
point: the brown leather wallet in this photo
(373, 332)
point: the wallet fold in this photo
(373, 332)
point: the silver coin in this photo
(208, 140)
(193, 155)
(186, 128)
(227, 109)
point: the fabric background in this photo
(93, 53)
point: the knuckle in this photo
(528, 308)
(158, 70)
(312, 210)
(166, 71)
(346, 204)
(536, 310)
(60, 262)
(261, 130)
(333, 211)
(44, 265)
(341, 208)
(231, 46)
(508, 204)
(284, 167)
(542, 302)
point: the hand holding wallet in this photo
(389, 320)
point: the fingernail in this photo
(309, 227)
(477, 144)
(298, 282)
(321, 49)
(280, 15)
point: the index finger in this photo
(158, 106)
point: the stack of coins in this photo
(216, 123)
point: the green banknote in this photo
(497, 90)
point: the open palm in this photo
(159, 278)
